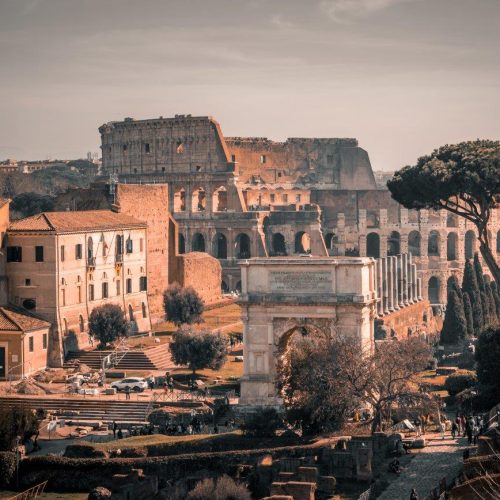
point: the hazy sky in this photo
(402, 76)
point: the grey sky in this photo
(403, 76)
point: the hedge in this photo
(459, 381)
(7, 468)
(82, 474)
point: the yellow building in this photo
(23, 343)
(61, 265)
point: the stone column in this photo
(404, 266)
(400, 280)
(384, 285)
(390, 285)
(395, 282)
(414, 282)
(419, 288)
(409, 285)
(380, 277)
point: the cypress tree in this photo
(468, 315)
(481, 283)
(454, 325)
(479, 273)
(477, 313)
(469, 283)
(492, 305)
(496, 296)
(455, 284)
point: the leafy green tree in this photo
(455, 324)
(488, 374)
(182, 305)
(199, 350)
(107, 323)
(496, 296)
(460, 178)
(26, 204)
(468, 315)
(14, 422)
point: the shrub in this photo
(224, 488)
(7, 468)
(459, 381)
(262, 424)
(182, 305)
(83, 451)
(107, 323)
(16, 421)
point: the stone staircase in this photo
(92, 410)
(154, 358)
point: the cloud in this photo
(343, 10)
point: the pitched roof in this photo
(67, 222)
(14, 320)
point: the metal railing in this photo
(32, 492)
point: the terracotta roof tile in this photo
(67, 222)
(14, 320)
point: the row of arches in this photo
(242, 245)
(433, 244)
(198, 200)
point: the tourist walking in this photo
(418, 426)
(441, 428)
(454, 430)
(114, 429)
(127, 392)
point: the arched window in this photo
(434, 290)
(373, 245)
(393, 244)
(278, 244)
(302, 242)
(63, 281)
(144, 312)
(182, 244)
(81, 323)
(414, 241)
(220, 246)
(451, 246)
(130, 313)
(180, 200)
(433, 244)
(470, 244)
(199, 201)
(243, 246)
(198, 244)
(331, 241)
(219, 199)
(119, 245)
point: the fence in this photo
(33, 492)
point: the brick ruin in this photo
(241, 197)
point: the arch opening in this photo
(220, 246)
(243, 246)
(451, 246)
(434, 290)
(302, 242)
(393, 244)
(180, 200)
(199, 201)
(198, 243)
(373, 245)
(278, 245)
(433, 244)
(470, 244)
(414, 241)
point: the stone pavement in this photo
(440, 458)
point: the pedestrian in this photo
(441, 429)
(418, 426)
(127, 392)
(114, 429)
(216, 429)
(469, 431)
(120, 434)
(454, 430)
(414, 494)
(458, 423)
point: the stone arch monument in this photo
(311, 295)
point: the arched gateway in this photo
(306, 295)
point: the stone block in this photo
(326, 484)
(419, 443)
(309, 474)
(286, 476)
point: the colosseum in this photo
(242, 197)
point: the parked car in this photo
(137, 384)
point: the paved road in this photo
(438, 459)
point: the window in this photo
(297, 198)
(233, 158)
(273, 197)
(129, 285)
(118, 287)
(104, 290)
(39, 254)
(91, 292)
(263, 158)
(29, 304)
(285, 198)
(163, 169)
(27, 282)
(130, 245)
(143, 283)
(78, 251)
(279, 174)
(141, 245)
(14, 254)
(63, 296)
(79, 293)
(62, 253)
(147, 148)
(119, 244)
(31, 342)
(144, 312)
(44, 341)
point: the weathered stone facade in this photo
(237, 198)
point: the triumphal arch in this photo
(309, 295)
